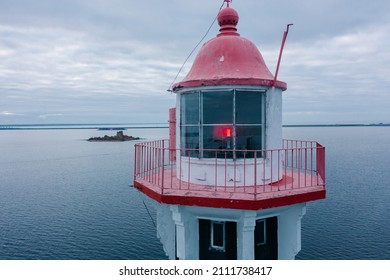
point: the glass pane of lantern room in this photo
(218, 107)
(248, 138)
(214, 138)
(249, 107)
(189, 105)
(190, 140)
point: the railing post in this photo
(143, 151)
(285, 168)
(135, 163)
(244, 171)
(292, 167)
(216, 170)
(272, 167)
(305, 164)
(162, 169)
(311, 166)
(180, 169)
(320, 164)
(255, 184)
(225, 170)
(264, 167)
(299, 151)
(279, 170)
(189, 172)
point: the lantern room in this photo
(229, 105)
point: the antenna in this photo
(204, 36)
(281, 51)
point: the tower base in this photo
(192, 232)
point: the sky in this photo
(112, 61)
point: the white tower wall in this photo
(184, 220)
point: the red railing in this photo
(298, 164)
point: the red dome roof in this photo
(229, 59)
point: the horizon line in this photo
(118, 126)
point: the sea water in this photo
(62, 197)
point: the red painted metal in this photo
(229, 59)
(244, 204)
(303, 177)
(321, 160)
(172, 133)
(281, 51)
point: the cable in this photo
(146, 207)
(150, 215)
(197, 45)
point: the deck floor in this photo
(292, 183)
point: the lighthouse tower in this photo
(228, 186)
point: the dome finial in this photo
(227, 20)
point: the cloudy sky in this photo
(111, 61)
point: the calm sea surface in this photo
(62, 197)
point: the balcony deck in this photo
(157, 179)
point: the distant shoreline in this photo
(334, 125)
(40, 127)
(113, 127)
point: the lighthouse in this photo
(226, 183)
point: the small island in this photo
(119, 137)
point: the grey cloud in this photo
(84, 61)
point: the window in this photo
(218, 235)
(260, 232)
(217, 107)
(190, 108)
(190, 117)
(222, 120)
(249, 101)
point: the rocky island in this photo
(119, 137)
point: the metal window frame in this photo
(264, 221)
(212, 245)
(201, 125)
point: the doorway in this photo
(266, 239)
(217, 240)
